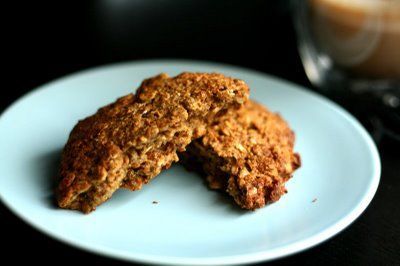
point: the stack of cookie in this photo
(204, 120)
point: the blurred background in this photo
(45, 41)
(48, 41)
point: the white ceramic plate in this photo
(190, 224)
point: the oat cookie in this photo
(127, 143)
(248, 153)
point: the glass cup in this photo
(351, 50)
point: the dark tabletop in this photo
(46, 41)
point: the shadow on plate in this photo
(221, 197)
(47, 165)
(225, 199)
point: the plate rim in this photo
(266, 255)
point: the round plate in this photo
(187, 223)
